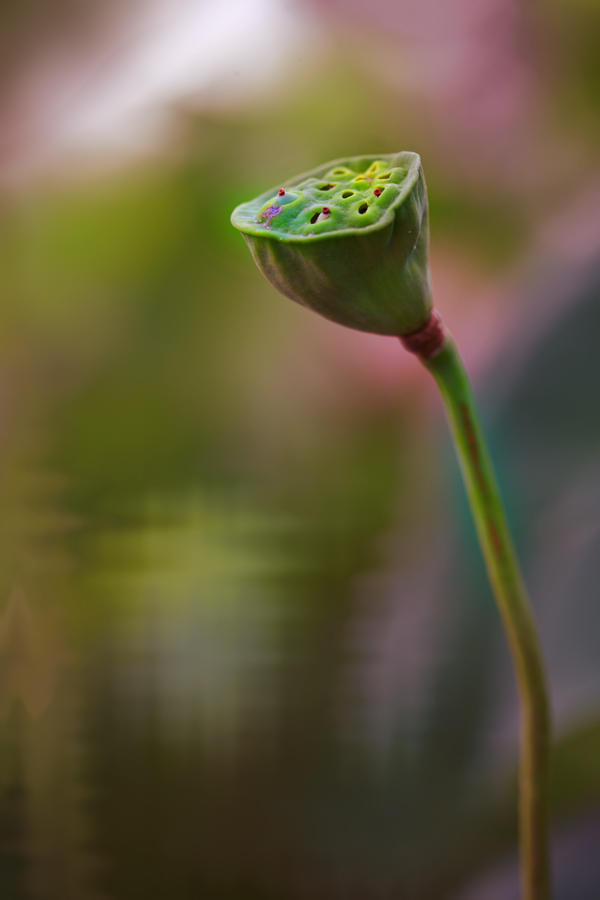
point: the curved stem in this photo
(507, 583)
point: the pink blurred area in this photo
(472, 75)
(471, 63)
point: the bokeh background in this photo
(247, 647)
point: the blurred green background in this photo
(247, 647)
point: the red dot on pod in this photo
(281, 192)
(326, 210)
(377, 192)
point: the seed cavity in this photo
(359, 191)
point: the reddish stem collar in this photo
(427, 341)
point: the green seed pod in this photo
(349, 240)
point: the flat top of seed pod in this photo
(344, 196)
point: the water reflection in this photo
(214, 734)
(216, 708)
(275, 686)
(198, 635)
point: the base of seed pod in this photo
(427, 341)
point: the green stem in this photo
(507, 583)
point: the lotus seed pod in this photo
(349, 240)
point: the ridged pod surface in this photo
(349, 240)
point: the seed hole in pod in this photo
(378, 192)
(348, 194)
(326, 187)
(339, 172)
(315, 217)
(363, 208)
(385, 176)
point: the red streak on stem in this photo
(473, 449)
(496, 540)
